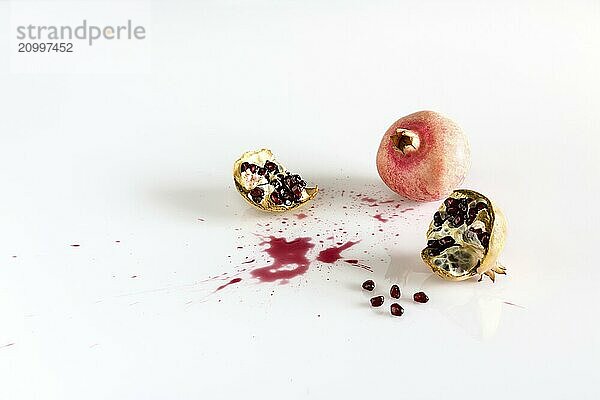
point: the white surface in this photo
(94, 158)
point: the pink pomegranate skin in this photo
(429, 161)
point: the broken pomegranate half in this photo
(465, 237)
(267, 185)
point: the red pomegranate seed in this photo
(420, 297)
(395, 291)
(396, 309)
(368, 285)
(377, 301)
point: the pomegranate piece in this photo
(377, 301)
(368, 285)
(395, 291)
(267, 185)
(420, 297)
(423, 156)
(396, 309)
(465, 237)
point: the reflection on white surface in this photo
(474, 306)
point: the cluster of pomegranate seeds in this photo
(368, 285)
(420, 297)
(395, 291)
(377, 301)
(396, 309)
(439, 245)
(287, 189)
(484, 237)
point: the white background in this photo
(139, 157)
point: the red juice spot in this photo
(386, 202)
(333, 254)
(369, 199)
(231, 282)
(301, 216)
(289, 259)
(407, 209)
(380, 218)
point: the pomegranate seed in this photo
(368, 285)
(376, 301)
(396, 309)
(420, 297)
(395, 291)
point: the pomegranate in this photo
(465, 237)
(267, 185)
(423, 156)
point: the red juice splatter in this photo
(380, 218)
(386, 202)
(301, 216)
(407, 209)
(333, 254)
(285, 255)
(359, 264)
(231, 282)
(369, 199)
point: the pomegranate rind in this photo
(243, 186)
(438, 166)
(495, 223)
(497, 240)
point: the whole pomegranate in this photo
(423, 156)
